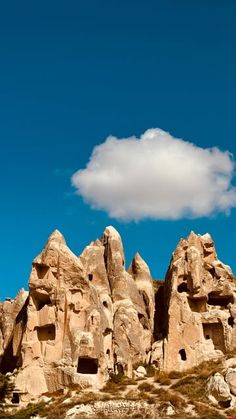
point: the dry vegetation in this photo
(207, 412)
(192, 386)
(181, 390)
(146, 387)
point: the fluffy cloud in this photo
(158, 177)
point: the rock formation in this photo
(87, 317)
(199, 310)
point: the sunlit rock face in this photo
(86, 317)
(199, 311)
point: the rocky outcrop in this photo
(218, 390)
(199, 312)
(86, 317)
(221, 387)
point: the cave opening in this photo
(87, 365)
(231, 321)
(41, 270)
(215, 332)
(216, 300)
(183, 355)
(198, 305)
(160, 314)
(107, 331)
(15, 398)
(225, 404)
(46, 332)
(182, 287)
(41, 300)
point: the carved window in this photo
(46, 333)
(182, 287)
(183, 355)
(87, 365)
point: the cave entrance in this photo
(41, 270)
(15, 398)
(215, 332)
(198, 305)
(216, 300)
(41, 300)
(182, 287)
(105, 304)
(160, 314)
(183, 355)
(46, 332)
(87, 365)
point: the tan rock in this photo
(218, 390)
(85, 317)
(230, 379)
(199, 295)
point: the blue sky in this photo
(72, 73)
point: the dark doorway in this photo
(183, 355)
(215, 332)
(216, 300)
(87, 365)
(182, 287)
(15, 398)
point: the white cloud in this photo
(158, 177)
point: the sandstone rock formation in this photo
(86, 317)
(199, 311)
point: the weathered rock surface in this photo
(230, 379)
(86, 317)
(218, 390)
(197, 318)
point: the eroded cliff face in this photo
(85, 317)
(200, 308)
